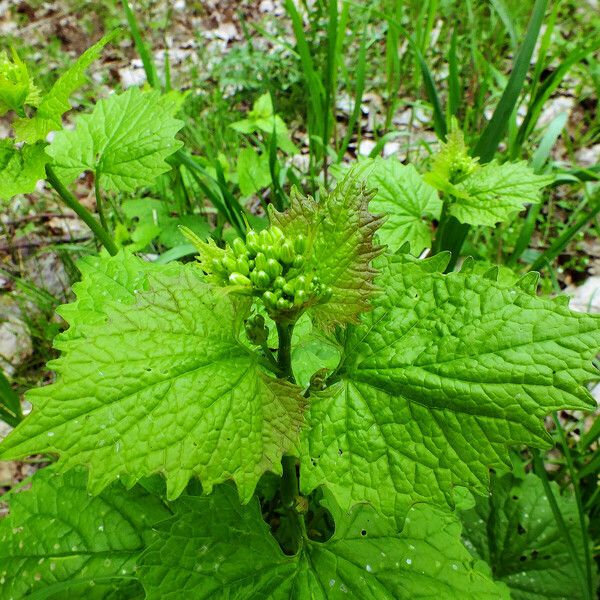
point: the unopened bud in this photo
(279, 283)
(274, 268)
(264, 238)
(270, 299)
(286, 253)
(229, 264)
(256, 331)
(283, 304)
(298, 261)
(262, 279)
(300, 244)
(276, 233)
(239, 248)
(252, 241)
(239, 279)
(242, 266)
(261, 262)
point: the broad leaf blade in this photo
(407, 202)
(55, 103)
(494, 193)
(124, 141)
(442, 375)
(514, 530)
(340, 231)
(20, 169)
(60, 542)
(215, 548)
(153, 379)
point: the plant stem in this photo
(69, 199)
(99, 204)
(284, 353)
(289, 491)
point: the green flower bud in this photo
(286, 253)
(300, 297)
(271, 252)
(298, 261)
(264, 238)
(290, 287)
(300, 244)
(283, 304)
(279, 283)
(261, 262)
(242, 265)
(229, 264)
(274, 268)
(255, 329)
(252, 241)
(300, 282)
(276, 233)
(239, 248)
(263, 280)
(239, 279)
(217, 267)
(270, 299)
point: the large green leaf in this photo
(438, 379)
(55, 103)
(152, 378)
(215, 548)
(407, 202)
(124, 141)
(515, 531)
(20, 169)
(60, 542)
(495, 192)
(340, 232)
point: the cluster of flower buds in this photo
(273, 267)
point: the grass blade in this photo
(496, 128)
(539, 160)
(330, 77)
(149, 67)
(315, 86)
(563, 240)
(358, 93)
(546, 90)
(453, 79)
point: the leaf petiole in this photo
(69, 199)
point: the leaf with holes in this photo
(153, 379)
(59, 542)
(515, 531)
(216, 548)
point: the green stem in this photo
(269, 355)
(284, 353)
(538, 466)
(289, 491)
(99, 204)
(580, 511)
(101, 234)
